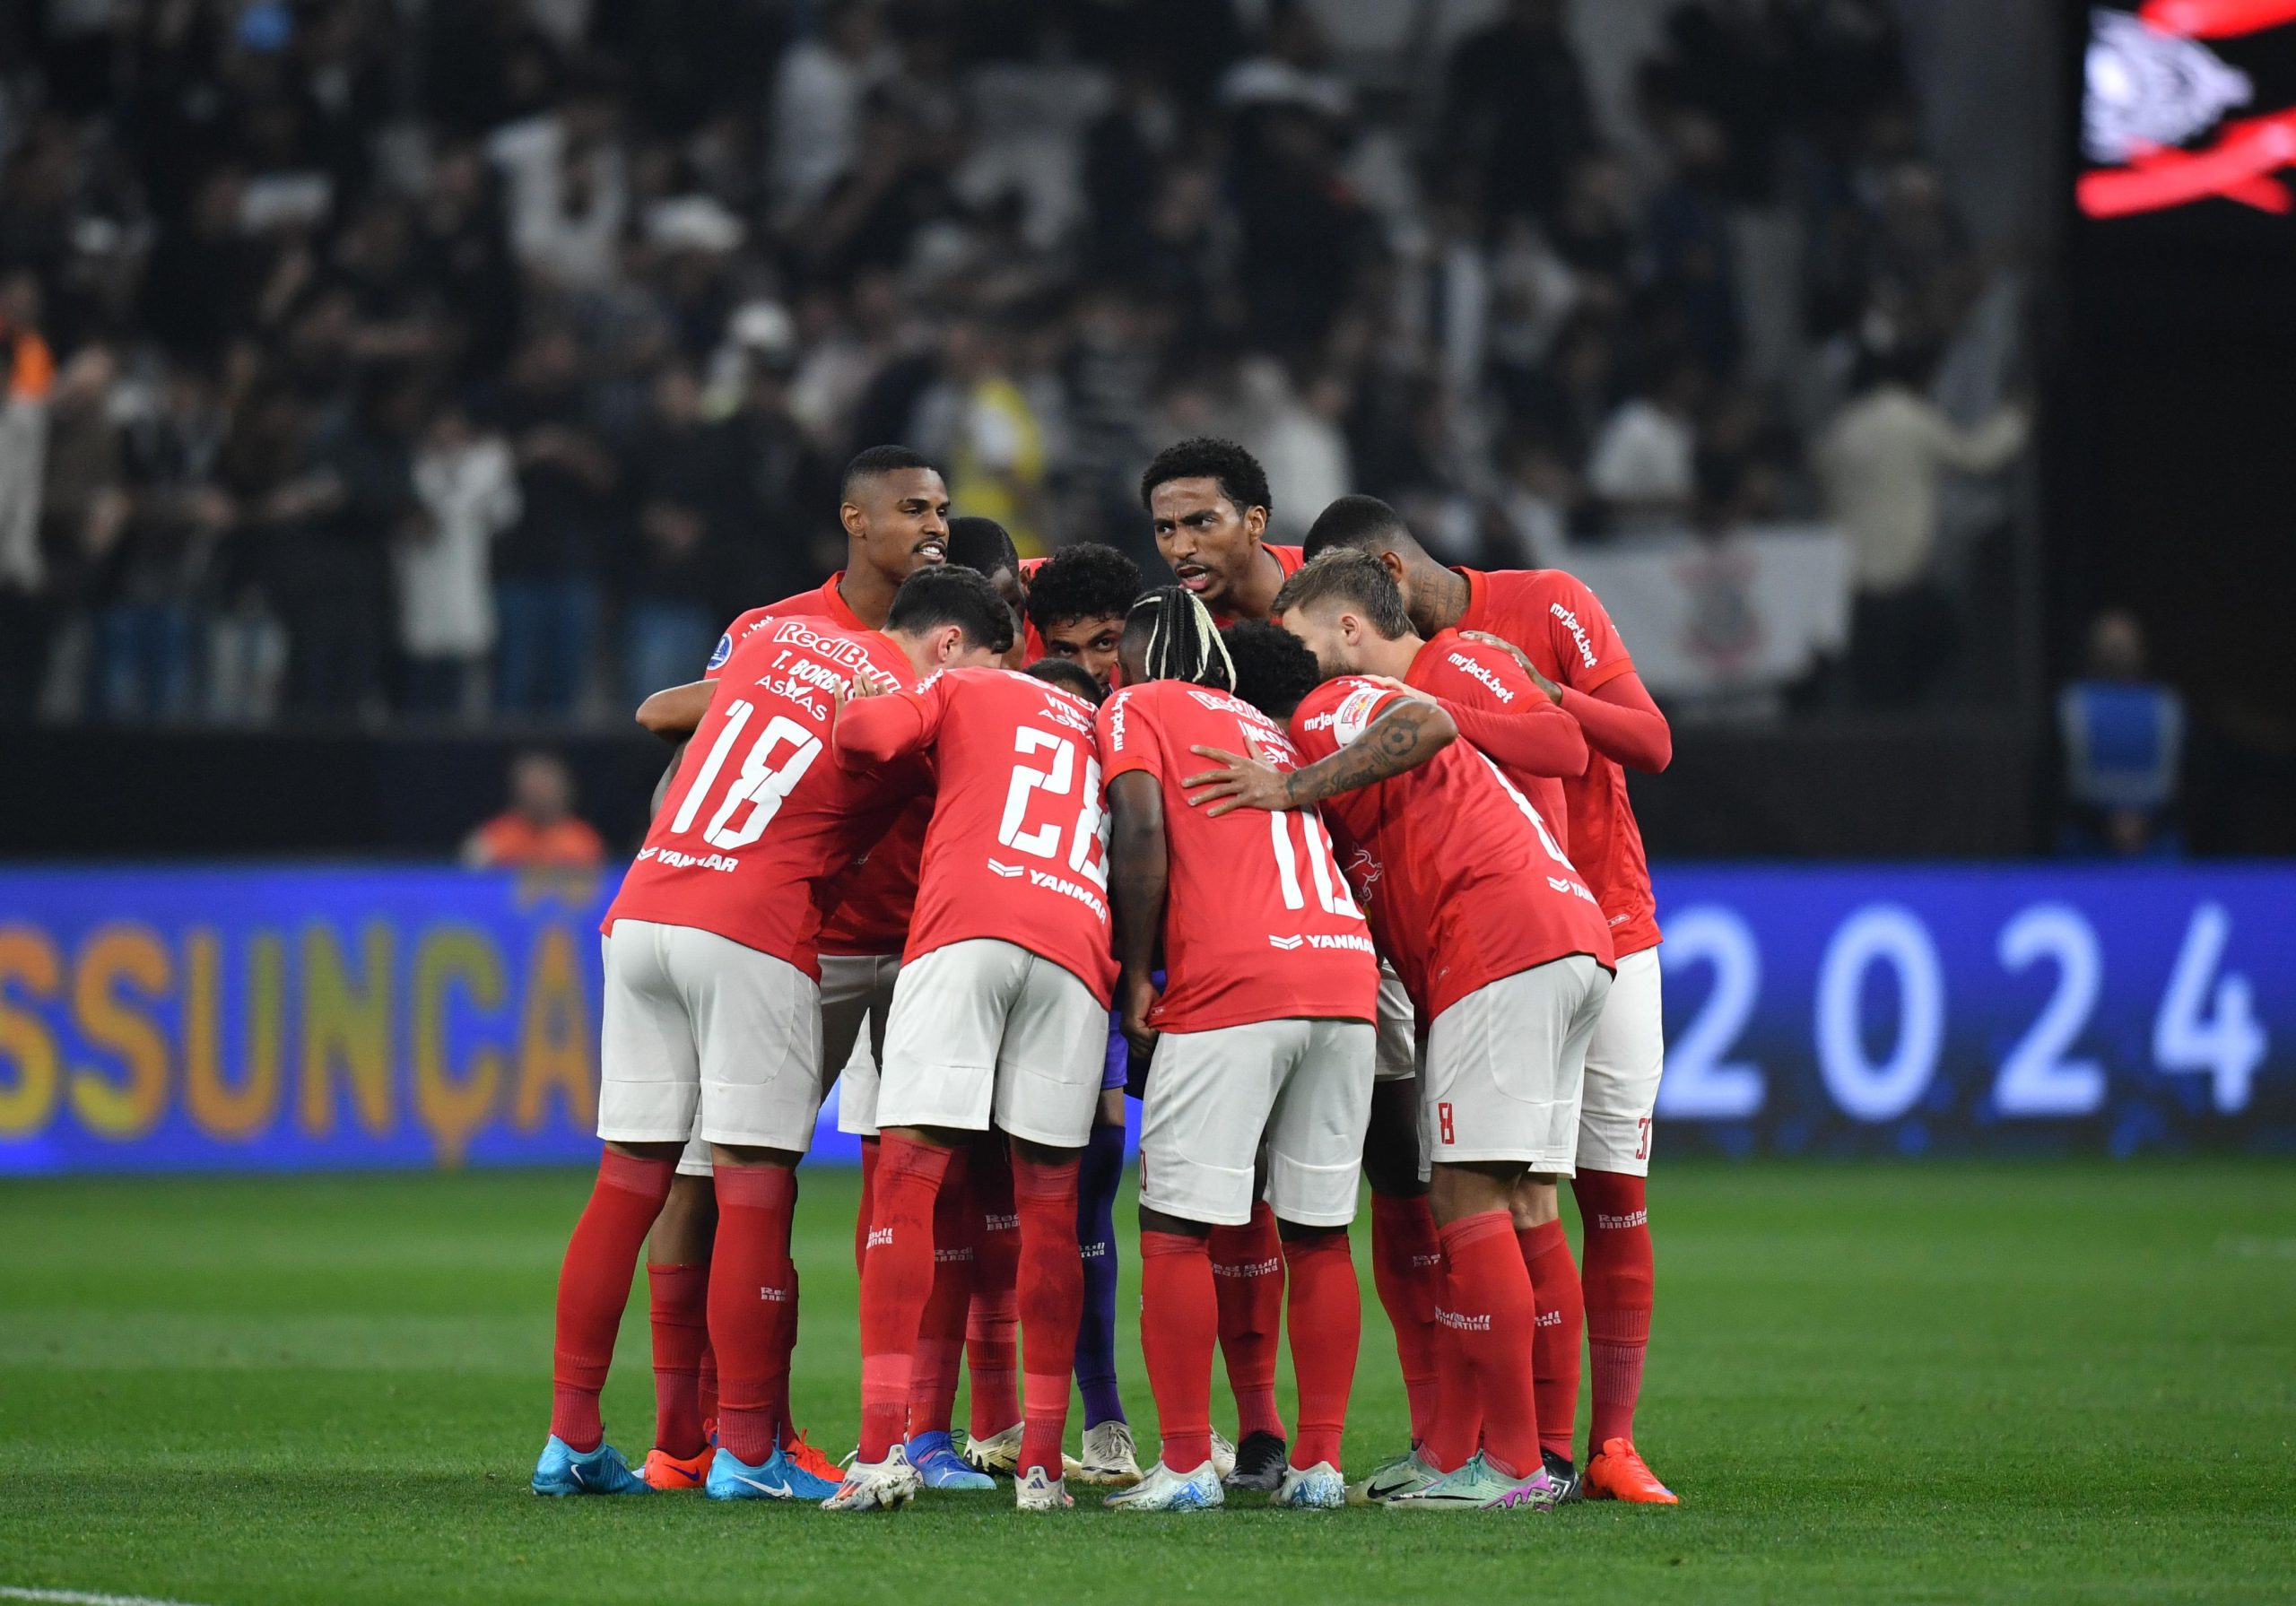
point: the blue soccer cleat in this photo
(777, 1477)
(565, 1470)
(935, 1456)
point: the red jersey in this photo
(1462, 881)
(758, 825)
(1562, 628)
(1018, 846)
(1258, 922)
(870, 906)
(1032, 644)
(1485, 677)
(1289, 558)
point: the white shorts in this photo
(985, 1033)
(1506, 1065)
(703, 1037)
(1397, 1058)
(1624, 1060)
(1304, 1085)
(856, 990)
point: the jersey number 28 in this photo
(1058, 781)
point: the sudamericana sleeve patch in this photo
(725, 650)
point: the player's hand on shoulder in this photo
(1400, 687)
(1242, 782)
(1552, 692)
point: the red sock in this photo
(1247, 1278)
(896, 1281)
(706, 1393)
(776, 1378)
(593, 1286)
(1407, 1269)
(1561, 1326)
(868, 1211)
(1327, 1321)
(1619, 1276)
(1179, 1324)
(1455, 1432)
(1487, 1303)
(941, 1331)
(678, 1303)
(1052, 1303)
(993, 1325)
(753, 1304)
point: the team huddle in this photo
(1323, 853)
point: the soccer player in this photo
(1506, 957)
(998, 1023)
(1077, 600)
(712, 994)
(894, 508)
(986, 546)
(1567, 642)
(1208, 501)
(1263, 1026)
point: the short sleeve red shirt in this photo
(1017, 849)
(1449, 860)
(871, 903)
(760, 820)
(1259, 924)
(1476, 676)
(1563, 628)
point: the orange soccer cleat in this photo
(1616, 1472)
(803, 1456)
(667, 1472)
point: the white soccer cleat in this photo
(1223, 1457)
(887, 1485)
(1110, 1459)
(1319, 1488)
(1038, 1492)
(1161, 1488)
(998, 1454)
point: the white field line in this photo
(74, 1597)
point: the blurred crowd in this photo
(477, 358)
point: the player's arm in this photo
(1618, 717)
(1538, 739)
(1139, 875)
(675, 712)
(1407, 732)
(874, 722)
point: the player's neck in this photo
(1254, 594)
(1393, 658)
(870, 595)
(1442, 596)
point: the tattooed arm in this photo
(1407, 732)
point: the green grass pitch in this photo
(1945, 1382)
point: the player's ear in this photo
(1255, 522)
(850, 515)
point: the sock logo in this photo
(1443, 1122)
(774, 1295)
(1460, 1322)
(879, 1236)
(1098, 1248)
(996, 1223)
(1420, 1262)
(1248, 1268)
(1638, 1218)
(949, 1257)
(1549, 1318)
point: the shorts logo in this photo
(1443, 1123)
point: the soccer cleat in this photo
(887, 1485)
(565, 1470)
(777, 1478)
(1616, 1471)
(1259, 1463)
(999, 1454)
(1161, 1488)
(1569, 1482)
(667, 1473)
(1110, 1459)
(1223, 1456)
(816, 1463)
(1319, 1488)
(1038, 1492)
(1478, 1486)
(1405, 1474)
(937, 1462)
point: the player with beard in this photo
(894, 508)
(1505, 956)
(1565, 639)
(707, 1031)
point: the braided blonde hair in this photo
(1183, 642)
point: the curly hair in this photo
(1241, 480)
(1084, 581)
(1275, 669)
